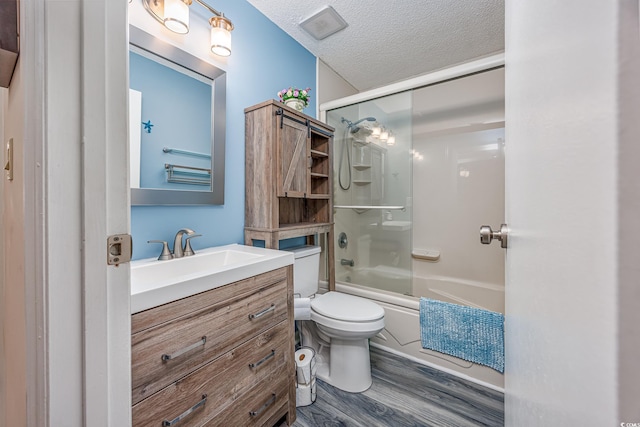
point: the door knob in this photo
(487, 235)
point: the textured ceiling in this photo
(391, 40)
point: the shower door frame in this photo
(472, 67)
(476, 66)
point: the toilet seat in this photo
(346, 308)
(347, 316)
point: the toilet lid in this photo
(346, 307)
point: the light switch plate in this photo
(9, 159)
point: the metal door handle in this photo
(487, 235)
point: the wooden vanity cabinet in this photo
(219, 358)
(288, 177)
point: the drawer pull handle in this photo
(166, 357)
(261, 361)
(262, 313)
(176, 420)
(265, 406)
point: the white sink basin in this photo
(156, 282)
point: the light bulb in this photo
(220, 41)
(221, 35)
(176, 16)
(391, 140)
(384, 135)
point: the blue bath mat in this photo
(469, 333)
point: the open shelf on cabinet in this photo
(318, 154)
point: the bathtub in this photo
(401, 334)
(381, 277)
(459, 291)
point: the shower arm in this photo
(353, 126)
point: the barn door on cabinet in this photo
(293, 158)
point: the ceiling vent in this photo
(324, 23)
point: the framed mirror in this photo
(177, 121)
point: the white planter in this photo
(294, 103)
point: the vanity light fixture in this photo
(391, 141)
(375, 131)
(174, 14)
(384, 135)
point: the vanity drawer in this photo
(263, 406)
(223, 381)
(165, 353)
(164, 313)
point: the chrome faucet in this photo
(166, 253)
(348, 262)
(178, 250)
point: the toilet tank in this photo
(305, 270)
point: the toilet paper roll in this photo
(302, 308)
(305, 365)
(305, 394)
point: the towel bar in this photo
(362, 209)
(186, 152)
(187, 174)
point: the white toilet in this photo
(340, 326)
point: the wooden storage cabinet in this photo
(222, 357)
(288, 177)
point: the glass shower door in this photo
(458, 173)
(372, 193)
(416, 173)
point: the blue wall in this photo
(264, 60)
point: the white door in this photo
(571, 138)
(106, 201)
(73, 80)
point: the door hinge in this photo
(119, 249)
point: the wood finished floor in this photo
(405, 393)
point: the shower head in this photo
(353, 126)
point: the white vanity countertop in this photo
(154, 282)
